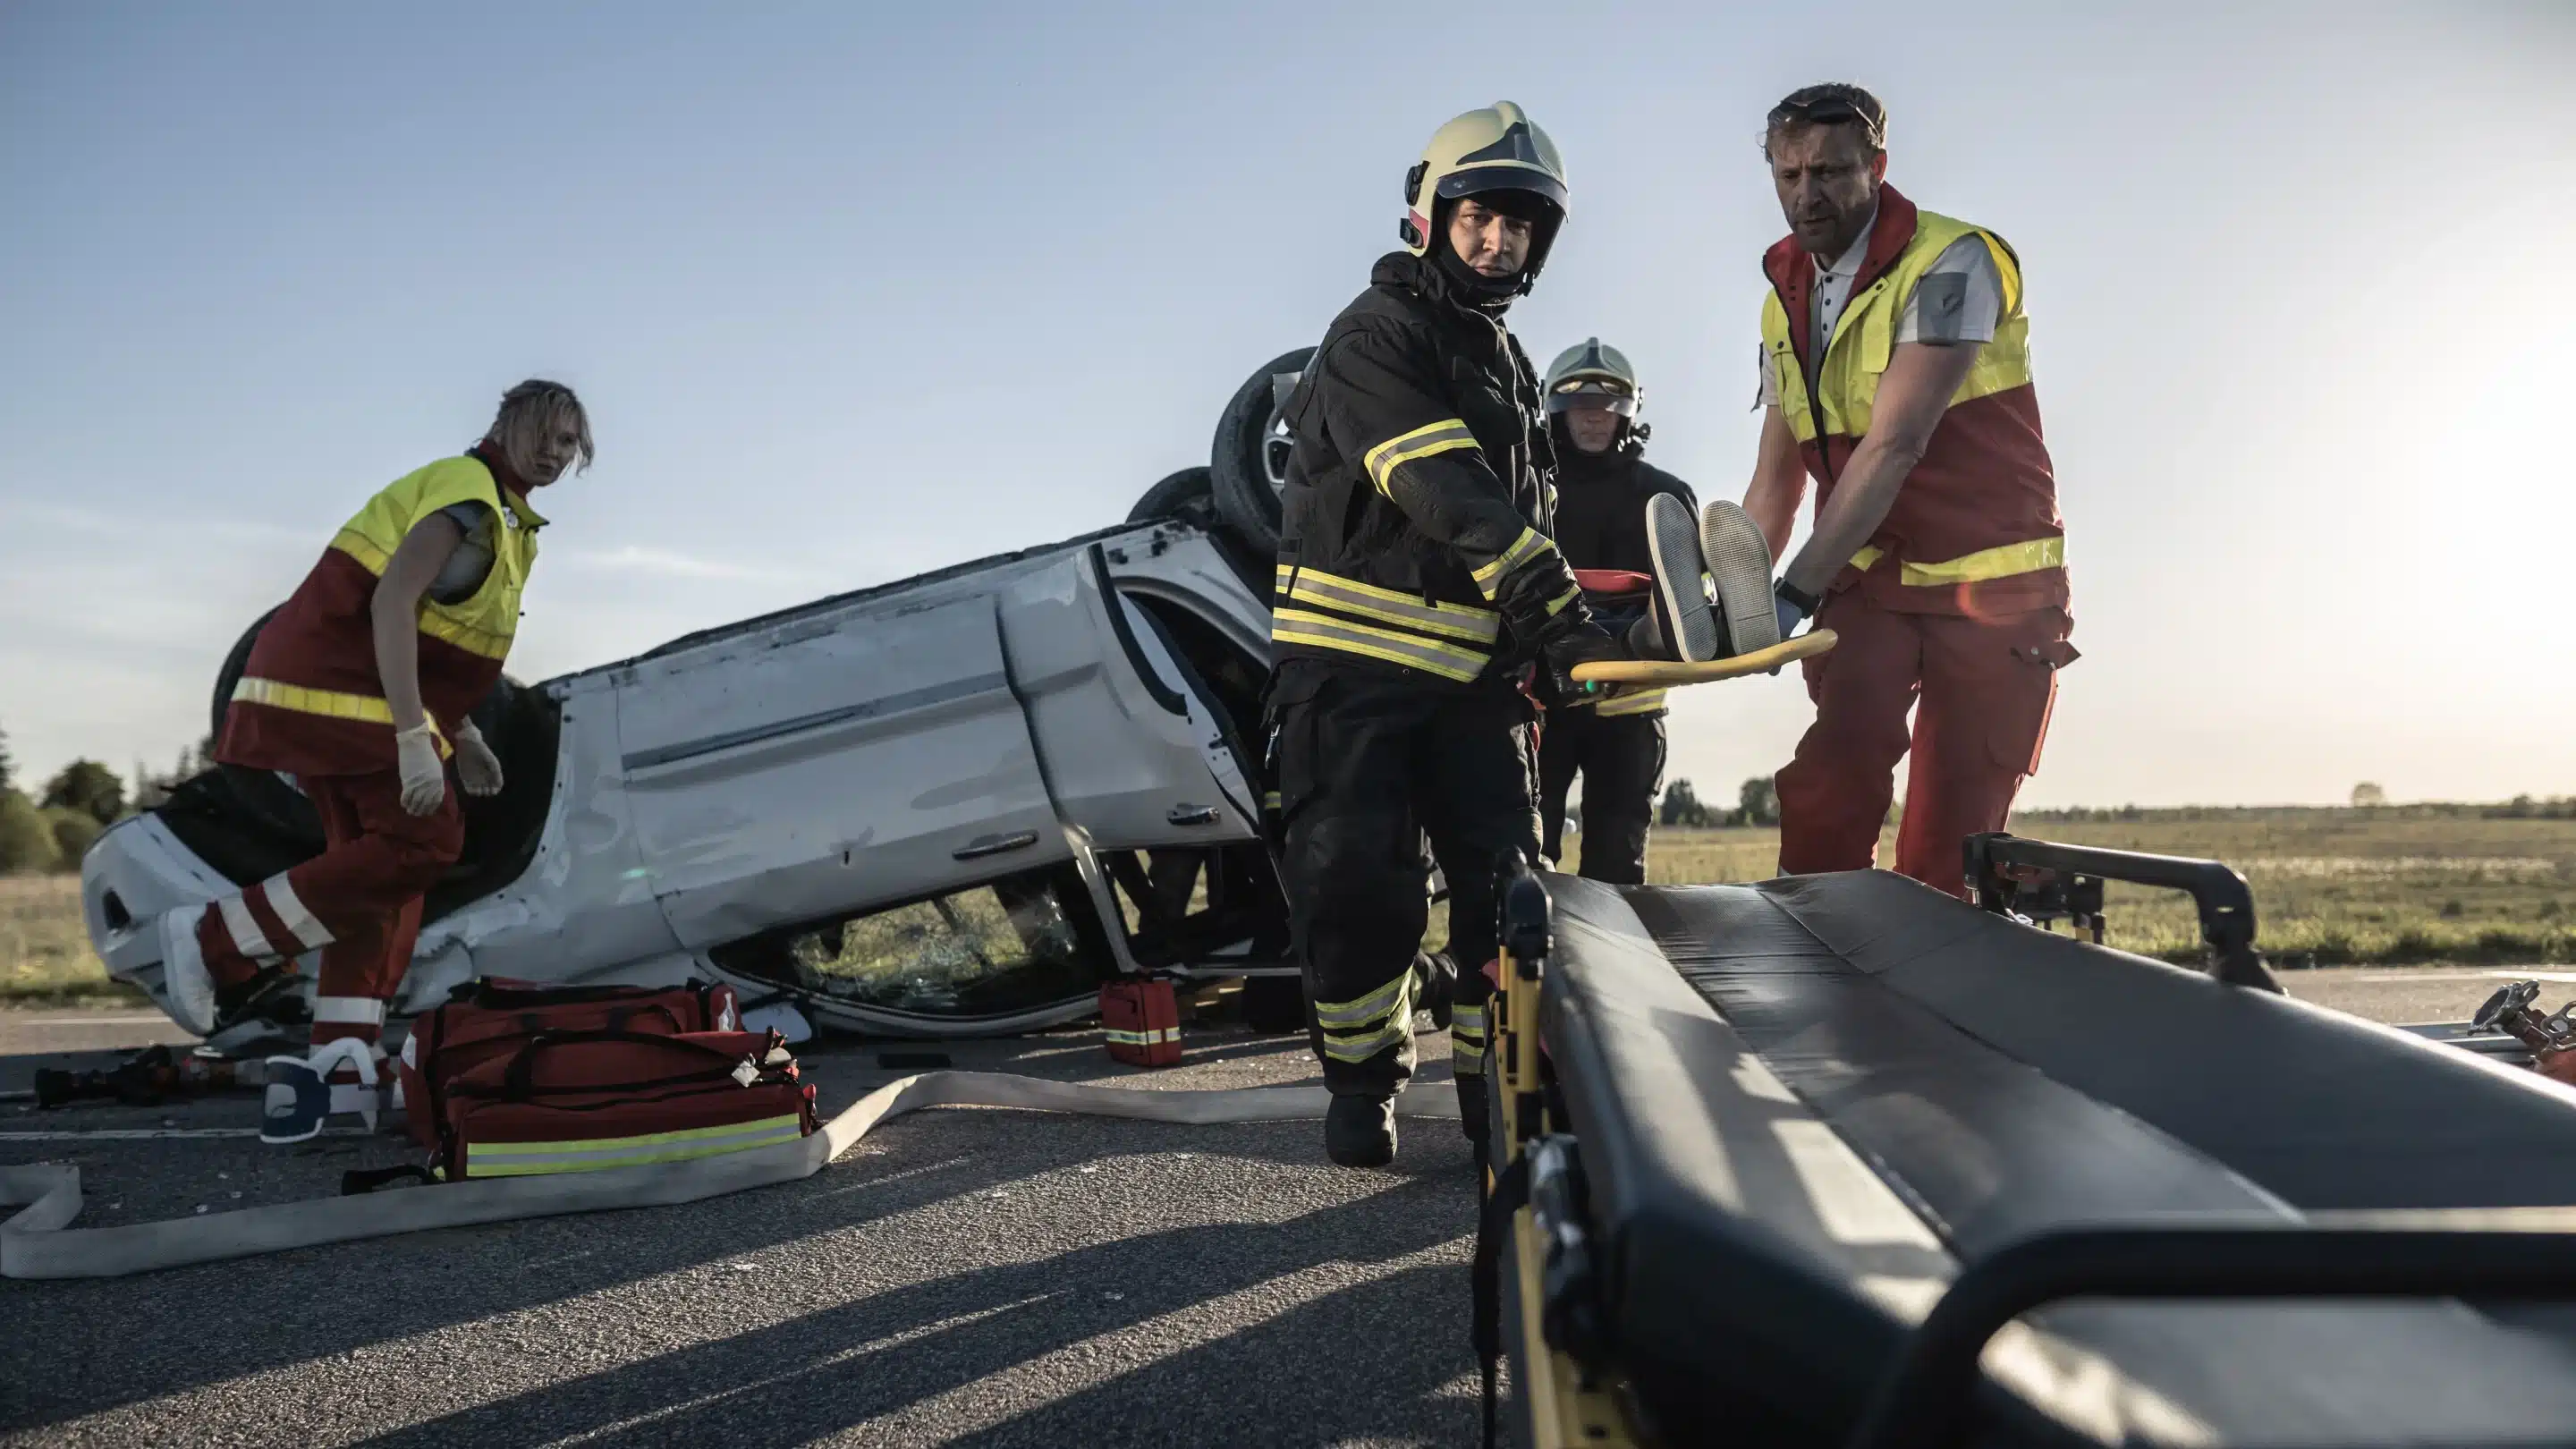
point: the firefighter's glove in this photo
(1581, 643)
(1545, 611)
(424, 780)
(477, 768)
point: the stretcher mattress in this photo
(1800, 1105)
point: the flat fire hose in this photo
(38, 1241)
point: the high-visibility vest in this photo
(310, 700)
(1975, 528)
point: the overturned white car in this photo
(949, 805)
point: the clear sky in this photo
(859, 290)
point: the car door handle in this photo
(1192, 815)
(984, 845)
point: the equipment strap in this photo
(1511, 1192)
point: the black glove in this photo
(1544, 609)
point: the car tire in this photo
(1249, 459)
(1188, 496)
(1274, 1005)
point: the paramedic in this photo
(359, 689)
(1896, 373)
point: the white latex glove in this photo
(477, 768)
(424, 780)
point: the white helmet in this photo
(1496, 149)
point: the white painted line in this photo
(147, 1134)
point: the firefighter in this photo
(1896, 373)
(359, 690)
(1605, 489)
(1416, 583)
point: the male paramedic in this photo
(1415, 583)
(1896, 373)
(1604, 486)
(359, 689)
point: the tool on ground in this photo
(2551, 1038)
(1670, 672)
(148, 1078)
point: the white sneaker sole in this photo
(1672, 536)
(1739, 563)
(184, 978)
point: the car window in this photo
(990, 950)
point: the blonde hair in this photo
(530, 411)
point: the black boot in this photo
(1472, 1116)
(1360, 1131)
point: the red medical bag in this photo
(493, 1016)
(583, 1101)
(1143, 1022)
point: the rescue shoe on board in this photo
(1360, 1131)
(1738, 560)
(1683, 618)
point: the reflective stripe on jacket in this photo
(310, 700)
(1975, 528)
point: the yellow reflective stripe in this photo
(438, 624)
(1270, 800)
(330, 703)
(2001, 562)
(1447, 435)
(1332, 591)
(1467, 1058)
(1143, 1038)
(1643, 701)
(1467, 1018)
(1557, 605)
(1524, 548)
(362, 548)
(1869, 554)
(519, 1159)
(1296, 626)
(1364, 1009)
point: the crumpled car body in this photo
(949, 805)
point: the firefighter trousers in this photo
(1367, 760)
(1621, 759)
(358, 902)
(1980, 691)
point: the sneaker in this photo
(1739, 564)
(184, 977)
(1360, 1131)
(1681, 594)
(298, 1102)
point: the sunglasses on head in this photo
(1823, 111)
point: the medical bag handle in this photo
(519, 1082)
(2002, 869)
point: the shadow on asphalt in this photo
(1328, 1369)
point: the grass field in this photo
(2339, 887)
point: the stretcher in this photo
(1842, 1160)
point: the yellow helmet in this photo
(1496, 149)
(1597, 369)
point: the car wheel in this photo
(1187, 496)
(1249, 462)
(1274, 1005)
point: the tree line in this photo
(51, 826)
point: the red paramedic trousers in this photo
(1980, 691)
(358, 901)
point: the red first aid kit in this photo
(583, 1101)
(1143, 1022)
(492, 1017)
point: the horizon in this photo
(855, 296)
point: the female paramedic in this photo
(358, 690)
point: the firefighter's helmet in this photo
(1593, 369)
(1496, 149)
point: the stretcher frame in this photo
(1646, 673)
(1925, 1398)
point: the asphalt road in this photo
(963, 1276)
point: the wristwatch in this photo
(1806, 603)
